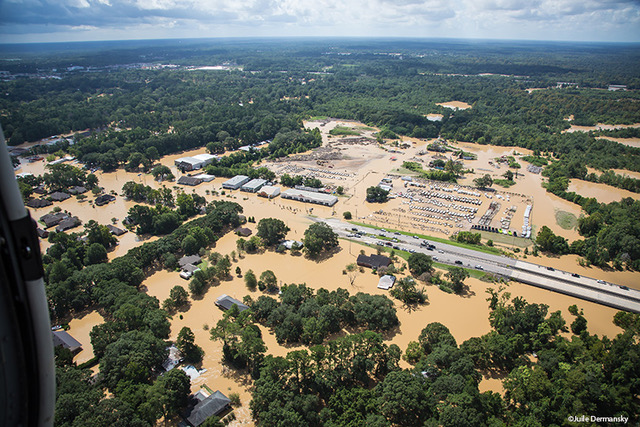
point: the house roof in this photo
(64, 339)
(43, 234)
(39, 203)
(77, 190)
(104, 199)
(226, 302)
(190, 268)
(190, 259)
(59, 196)
(68, 223)
(386, 282)
(189, 180)
(373, 261)
(213, 405)
(243, 231)
(115, 230)
(50, 220)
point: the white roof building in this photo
(269, 191)
(235, 182)
(254, 185)
(195, 162)
(309, 197)
(205, 177)
(386, 282)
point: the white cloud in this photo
(528, 19)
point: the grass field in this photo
(484, 249)
(504, 182)
(343, 131)
(566, 220)
(506, 240)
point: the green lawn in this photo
(342, 130)
(566, 220)
(484, 249)
(506, 240)
(504, 182)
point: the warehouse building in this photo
(309, 197)
(254, 185)
(269, 191)
(195, 162)
(235, 182)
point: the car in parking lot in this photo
(415, 237)
(435, 258)
(396, 247)
(440, 251)
(479, 267)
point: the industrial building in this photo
(254, 185)
(235, 182)
(205, 177)
(309, 197)
(269, 191)
(195, 162)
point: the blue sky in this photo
(76, 20)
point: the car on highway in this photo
(412, 251)
(551, 269)
(575, 275)
(458, 262)
(435, 258)
(415, 237)
(479, 267)
(440, 251)
(602, 282)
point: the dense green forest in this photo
(143, 100)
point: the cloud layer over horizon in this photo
(70, 20)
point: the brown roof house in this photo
(373, 261)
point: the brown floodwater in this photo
(602, 192)
(455, 105)
(599, 126)
(366, 166)
(79, 328)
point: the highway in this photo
(587, 288)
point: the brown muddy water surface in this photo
(363, 165)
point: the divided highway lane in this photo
(564, 282)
